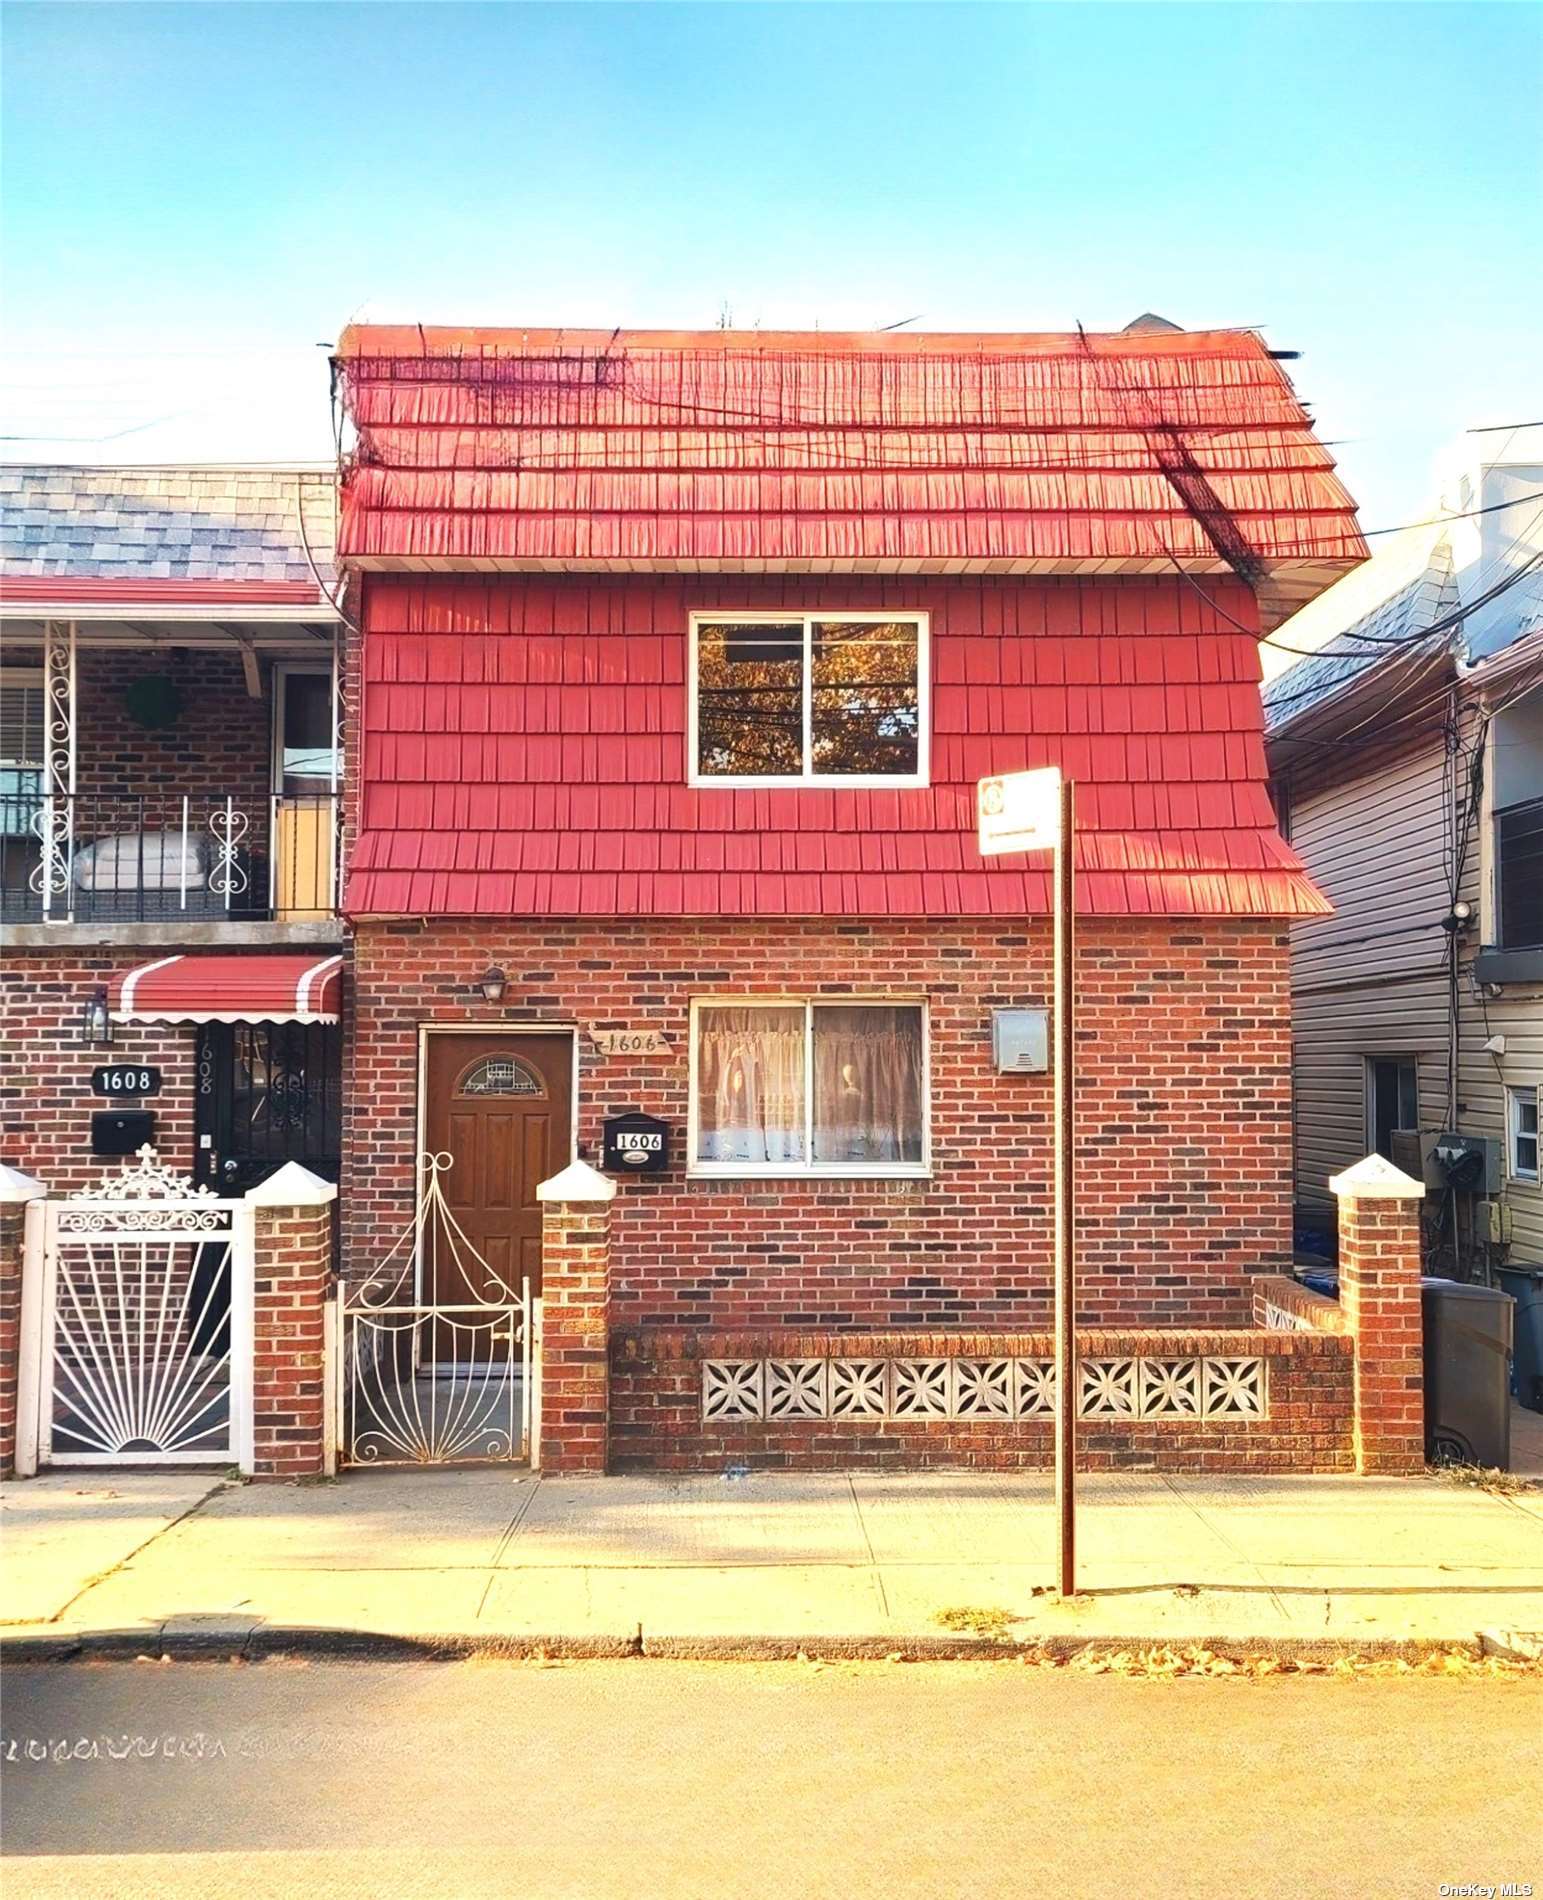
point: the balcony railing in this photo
(166, 857)
(1519, 867)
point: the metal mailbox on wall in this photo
(635, 1144)
(1020, 1041)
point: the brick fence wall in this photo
(13, 1216)
(659, 1381)
(1184, 1156)
(292, 1280)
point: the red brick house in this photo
(676, 661)
(169, 796)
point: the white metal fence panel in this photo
(140, 1322)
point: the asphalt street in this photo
(654, 1778)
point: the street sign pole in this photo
(1066, 1380)
(1036, 811)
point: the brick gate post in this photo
(292, 1279)
(1379, 1289)
(17, 1190)
(573, 1419)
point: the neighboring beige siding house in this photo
(1407, 754)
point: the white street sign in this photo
(1021, 811)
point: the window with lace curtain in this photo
(794, 1086)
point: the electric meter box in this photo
(1470, 1163)
(1020, 1041)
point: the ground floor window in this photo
(795, 1086)
(1522, 1133)
(1392, 1100)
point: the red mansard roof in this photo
(736, 451)
(524, 754)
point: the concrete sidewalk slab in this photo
(59, 1534)
(607, 1565)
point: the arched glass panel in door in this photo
(500, 1075)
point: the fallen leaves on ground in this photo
(1500, 1484)
(975, 1619)
(1162, 1663)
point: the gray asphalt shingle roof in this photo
(1402, 617)
(227, 524)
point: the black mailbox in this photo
(636, 1144)
(122, 1131)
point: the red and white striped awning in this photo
(195, 989)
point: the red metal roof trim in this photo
(204, 989)
(165, 593)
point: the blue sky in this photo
(194, 196)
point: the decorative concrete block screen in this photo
(1136, 1388)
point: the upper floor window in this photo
(809, 699)
(1522, 1133)
(1515, 768)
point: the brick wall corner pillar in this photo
(573, 1417)
(17, 1192)
(292, 1219)
(1379, 1290)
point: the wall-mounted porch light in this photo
(96, 1026)
(1459, 916)
(494, 983)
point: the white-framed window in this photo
(1521, 1119)
(791, 1086)
(808, 699)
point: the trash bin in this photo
(1467, 1373)
(1525, 1286)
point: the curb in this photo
(258, 1643)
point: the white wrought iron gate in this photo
(137, 1325)
(430, 1381)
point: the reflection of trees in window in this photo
(863, 713)
(750, 701)
(808, 698)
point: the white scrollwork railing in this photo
(227, 875)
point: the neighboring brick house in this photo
(679, 657)
(168, 796)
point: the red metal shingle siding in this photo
(583, 447)
(524, 753)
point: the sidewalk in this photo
(761, 1564)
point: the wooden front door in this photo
(501, 1108)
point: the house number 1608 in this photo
(126, 1078)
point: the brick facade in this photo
(45, 1073)
(1184, 1162)
(221, 743)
